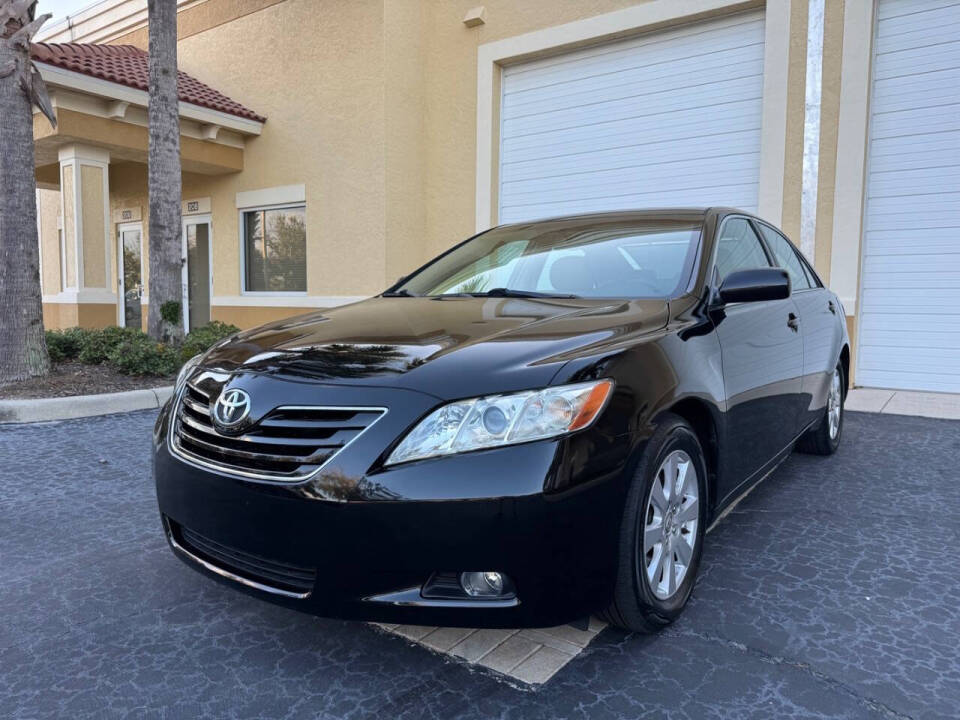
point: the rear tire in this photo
(824, 438)
(661, 531)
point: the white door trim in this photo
(653, 15)
(184, 277)
(121, 286)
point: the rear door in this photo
(762, 355)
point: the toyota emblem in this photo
(231, 408)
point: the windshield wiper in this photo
(399, 293)
(507, 292)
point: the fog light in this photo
(482, 584)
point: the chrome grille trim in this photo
(306, 456)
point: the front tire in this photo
(662, 529)
(824, 439)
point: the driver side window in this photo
(738, 248)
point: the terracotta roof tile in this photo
(127, 65)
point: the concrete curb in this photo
(66, 408)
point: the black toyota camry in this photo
(538, 425)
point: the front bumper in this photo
(545, 513)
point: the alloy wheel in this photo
(834, 405)
(670, 524)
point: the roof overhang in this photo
(78, 82)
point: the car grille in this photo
(269, 573)
(288, 444)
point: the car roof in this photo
(667, 213)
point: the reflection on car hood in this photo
(454, 347)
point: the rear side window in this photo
(786, 257)
(738, 248)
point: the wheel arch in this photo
(699, 415)
(845, 364)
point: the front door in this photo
(130, 275)
(197, 276)
(762, 355)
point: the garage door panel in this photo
(905, 8)
(918, 339)
(657, 51)
(917, 121)
(924, 207)
(689, 98)
(915, 91)
(909, 240)
(921, 35)
(917, 280)
(922, 359)
(918, 159)
(916, 60)
(914, 263)
(740, 169)
(676, 123)
(629, 84)
(743, 197)
(636, 155)
(937, 300)
(641, 109)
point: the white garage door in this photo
(666, 119)
(910, 283)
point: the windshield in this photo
(565, 258)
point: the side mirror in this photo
(755, 285)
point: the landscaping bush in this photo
(204, 337)
(98, 344)
(141, 355)
(65, 344)
(130, 350)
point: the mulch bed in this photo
(73, 378)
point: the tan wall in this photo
(69, 227)
(94, 232)
(48, 211)
(58, 316)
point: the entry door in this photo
(130, 275)
(197, 274)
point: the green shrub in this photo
(140, 355)
(204, 337)
(97, 345)
(130, 350)
(64, 345)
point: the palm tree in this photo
(164, 181)
(23, 350)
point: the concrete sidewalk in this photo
(904, 402)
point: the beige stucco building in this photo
(366, 136)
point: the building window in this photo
(275, 250)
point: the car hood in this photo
(449, 348)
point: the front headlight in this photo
(185, 371)
(496, 420)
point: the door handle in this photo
(793, 322)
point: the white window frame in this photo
(121, 285)
(241, 229)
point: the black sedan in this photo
(537, 425)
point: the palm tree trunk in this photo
(164, 179)
(23, 349)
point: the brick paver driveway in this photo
(832, 591)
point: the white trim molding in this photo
(852, 134)
(653, 15)
(280, 195)
(83, 296)
(305, 301)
